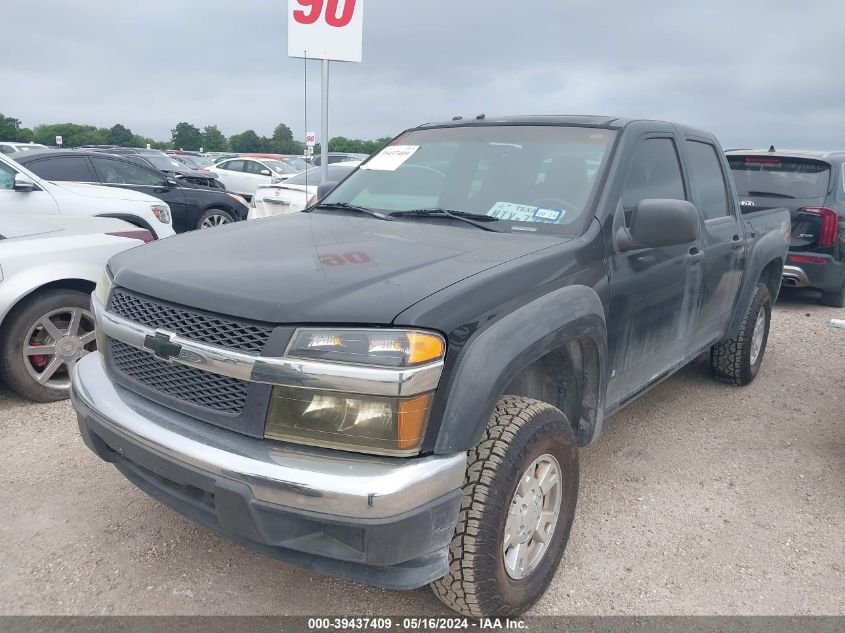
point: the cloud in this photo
(755, 73)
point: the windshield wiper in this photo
(476, 219)
(771, 194)
(345, 206)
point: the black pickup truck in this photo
(393, 385)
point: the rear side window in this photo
(233, 165)
(780, 177)
(709, 180)
(655, 172)
(65, 168)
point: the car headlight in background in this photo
(382, 348)
(235, 196)
(353, 421)
(162, 213)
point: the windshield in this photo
(312, 176)
(164, 163)
(530, 178)
(278, 166)
(297, 163)
(780, 177)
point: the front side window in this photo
(519, 177)
(655, 173)
(709, 180)
(7, 177)
(116, 172)
(254, 167)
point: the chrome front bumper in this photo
(314, 480)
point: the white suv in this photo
(24, 193)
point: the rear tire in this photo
(509, 488)
(738, 359)
(24, 328)
(834, 299)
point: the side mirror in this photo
(324, 188)
(172, 182)
(656, 223)
(23, 183)
(265, 172)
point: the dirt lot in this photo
(698, 499)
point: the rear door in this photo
(232, 175)
(722, 240)
(800, 184)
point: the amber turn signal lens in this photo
(412, 418)
(424, 347)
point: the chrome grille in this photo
(212, 391)
(211, 329)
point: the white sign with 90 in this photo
(326, 29)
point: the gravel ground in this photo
(698, 499)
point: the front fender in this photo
(493, 357)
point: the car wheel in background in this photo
(214, 217)
(43, 338)
(519, 502)
(738, 359)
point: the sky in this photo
(754, 72)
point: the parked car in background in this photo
(339, 157)
(50, 265)
(393, 386)
(244, 175)
(192, 207)
(812, 186)
(23, 192)
(168, 165)
(193, 161)
(10, 148)
(293, 195)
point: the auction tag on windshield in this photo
(391, 157)
(525, 213)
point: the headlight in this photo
(384, 348)
(387, 426)
(352, 421)
(162, 213)
(235, 196)
(102, 293)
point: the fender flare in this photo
(492, 358)
(131, 219)
(769, 248)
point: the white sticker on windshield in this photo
(391, 157)
(525, 213)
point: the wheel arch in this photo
(553, 349)
(72, 283)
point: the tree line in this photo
(184, 136)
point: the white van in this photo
(24, 193)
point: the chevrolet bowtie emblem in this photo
(162, 346)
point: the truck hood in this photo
(316, 267)
(106, 193)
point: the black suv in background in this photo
(812, 186)
(192, 207)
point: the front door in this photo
(22, 202)
(654, 292)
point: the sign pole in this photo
(324, 132)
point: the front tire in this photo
(214, 217)
(519, 502)
(43, 337)
(738, 359)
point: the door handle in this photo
(736, 243)
(695, 255)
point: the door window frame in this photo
(727, 179)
